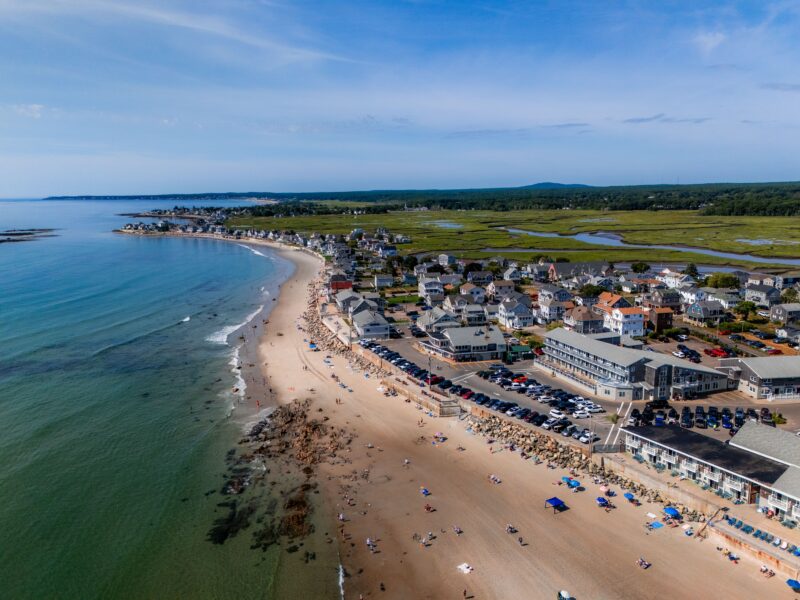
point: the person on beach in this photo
(406, 462)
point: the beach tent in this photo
(602, 502)
(672, 512)
(627, 496)
(794, 584)
(573, 483)
(566, 479)
(556, 503)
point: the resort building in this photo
(765, 377)
(746, 470)
(760, 465)
(623, 373)
(463, 344)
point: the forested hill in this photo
(775, 199)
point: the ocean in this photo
(117, 406)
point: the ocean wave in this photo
(221, 336)
(187, 319)
(253, 250)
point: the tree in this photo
(743, 309)
(640, 267)
(789, 295)
(691, 270)
(591, 291)
(722, 280)
(410, 261)
(473, 266)
(436, 269)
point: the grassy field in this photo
(476, 234)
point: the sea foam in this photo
(253, 250)
(221, 336)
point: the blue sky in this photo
(134, 96)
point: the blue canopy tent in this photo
(601, 502)
(573, 483)
(566, 479)
(556, 503)
(672, 512)
(627, 496)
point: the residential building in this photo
(765, 377)
(628, 321)
(467, 344)
(787, 280)
(500, 289)
(620, 373)
(607, 301)
(704, 313)
(673, 279)
(514, 315)
(553, 292)
(370, 324)
(761, 279)
(437, 319)
(663, 298)
(728, 299)
(482, 278)
(431, 290)
(659, 319)
(477, 293)
(473, 314)
(785, 313)
(582, 319)
(446, 260)
(340, 281)
(382, 281)
(456, 303)
(762, 295)
(512, 274)
(565, 270)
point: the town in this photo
(686, 380)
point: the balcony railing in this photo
(633, 442)
(712, 475)
(734, 484)
(670, 458)
(781, 503)
(690, 465)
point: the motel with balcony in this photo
(615, 367)
(760, 466)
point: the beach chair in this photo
(791, 548)
(757, 534)
(769, 537)
(739, 524)
(784, 545)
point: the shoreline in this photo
(365, 479)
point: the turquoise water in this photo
(115, 407)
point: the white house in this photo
(625, 321)
(430, 289)
(673, 279)
(512, 274)
(370, 324)
(500, 289)
(514, 315)
(383, 281)
(477, 293)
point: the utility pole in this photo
(430, 375)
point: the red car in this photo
(467, 394)
(724, 332)
(774, 352)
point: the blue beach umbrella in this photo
(794, 584)
(566, 479)
(672, 512)
(573, 483)
(627, 496)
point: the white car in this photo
(679, 354)
(557, 414)
(549, 423)
(587, 438)
(595, 408)
(580, 414)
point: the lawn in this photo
(478, 234)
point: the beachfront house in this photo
(467, 344)
(431, 290)
(437, 319)
(371, 325)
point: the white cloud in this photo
(708, 41)
(32, 111)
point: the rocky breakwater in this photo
(327, 340)
(543, 448)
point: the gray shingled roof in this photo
(789, 483)
(773, 367)
(777, 444)
(475, 336)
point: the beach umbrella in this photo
(573, 483)
(601, 501)
(793, 583)
(627, 496)
(566, 479)
(672, 512)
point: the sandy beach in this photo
(584, 550)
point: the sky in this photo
(141, 97)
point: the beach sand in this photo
(584, 550)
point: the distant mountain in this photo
(550, 185)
